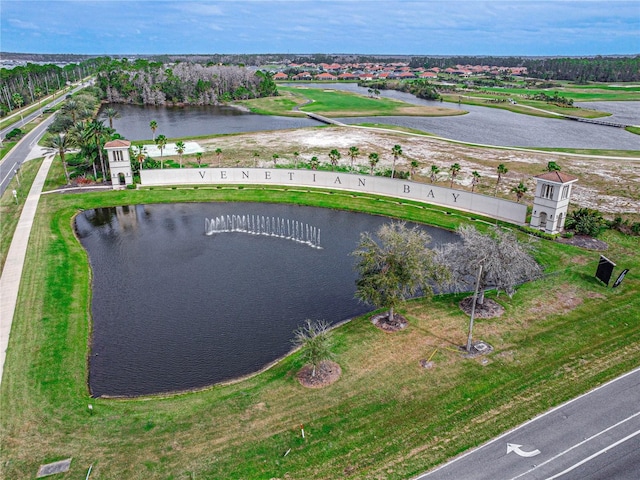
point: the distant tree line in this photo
(582, 70)
(579, 70)
(420, 88)
(156, 83)
(30, 83)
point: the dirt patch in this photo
(326, 373)
(489, 309)
(383, 322)
(563, 300)
(584, 241)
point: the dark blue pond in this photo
(175, 309)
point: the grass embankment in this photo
(335, 103)
(386, 417)
(10, 211)
(497, 98)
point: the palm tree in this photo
(476, 179)
(19, 101)
(72, 107)
(79, 137)
(296, 155)
(180, 149)
(38, 93)
(396, 151)
(435, 170)
(140, 153)
(219, 155)
(98, 131)
(454, 169)
(553, 167)
(314, 163)
(255, 159)
(161, 142)
(153, 125)
(60, 144)
(519, 190)
(374, 158)
(275, 158)
(199, 158)
(111, 113)
(501, 171)
(334, 156)
(414, 167)
(353, 153)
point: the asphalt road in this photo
(593, 437)
(14, 159)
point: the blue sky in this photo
(449, 27)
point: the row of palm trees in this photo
(76, 129)
(88, 137)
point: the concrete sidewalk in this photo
(12, 272)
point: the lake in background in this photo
(482, 125)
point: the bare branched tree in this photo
(506, 262)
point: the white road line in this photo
(582, 443)
(9, 172)
(604, 450)
(515, 429)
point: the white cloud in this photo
(200, 9)
(17, 23)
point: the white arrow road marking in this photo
(514, 447)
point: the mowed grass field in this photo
(336, 103)
(386, 417)
(487, 96)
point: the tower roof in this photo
(118, 144)
(557, 177)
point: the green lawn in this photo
(10, 211)
(579, 93)
(385, 418)
(335, 103)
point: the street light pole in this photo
(473, 308)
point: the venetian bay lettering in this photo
(500, 208)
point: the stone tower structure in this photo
(119, 163)
(551, 200)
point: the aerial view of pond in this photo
(134, 120)
(176, 309)
(482, 125)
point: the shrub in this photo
(623, 226)
(537, 233)
(585, 221)
(15, 133)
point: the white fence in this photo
(459, 199)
